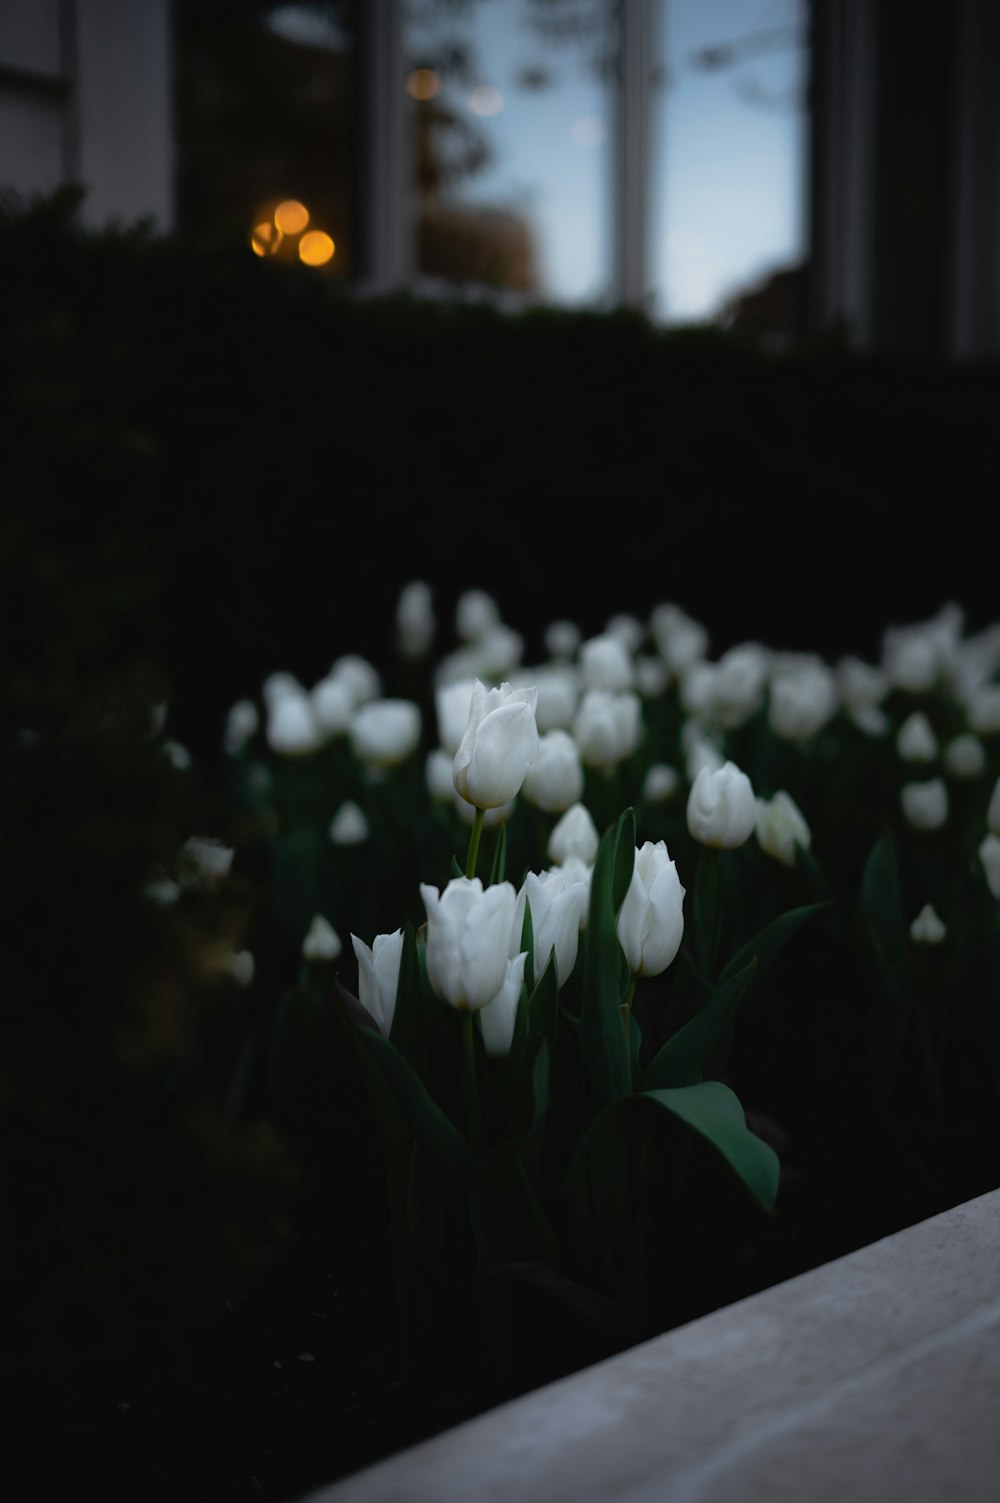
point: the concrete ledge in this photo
(874, 1377)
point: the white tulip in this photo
(498, 1017)
(498, 746)
(628, 629)
(989, 855)
(437, 775)
(983, 710)
(925, 804)
(965, 757)
(562, 638)
(378, 976)
(358, 677)
(475, 614)
(650, 924)
(574, 838)
(322, 943)
(861, 685)
(204, 862)
(927, 928)
(781, 828)
(802, 697)
(681, 641)
(660, 783)
(721, 809)
(415, 619)
(291, 725)
(558, 695)
(468, 937)
(332, 705)
(606, 664)
(607, 727)
(452, 702)
(739, 683)
(651, 676)
(916, 742)
(558, 900)
(242, 723)
(554, 780)
(699, 751)
(348, 826)
(385, 732)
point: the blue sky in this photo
(727, 201)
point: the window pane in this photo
(265, 126)
(511, 139)
(728, 218)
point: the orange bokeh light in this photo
(291, 217)
(265, 239)
(316, 248)
(423, 83)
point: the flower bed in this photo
(671, 978)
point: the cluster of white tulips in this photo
(661, 823)
(639, 714)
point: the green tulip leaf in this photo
(681, 1060)
(443, 1145)
(714, 1112)
(624, 858)
(768, 943)
(543, 1004)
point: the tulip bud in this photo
(378, 976)
(332, 705)
(385, 732)
(358, 677)
(660, 783)
(348, 826)
(781, 829)
(721, 809)
(983, 709)
(606, 664)
(554, 780)
(291, 725)
(802, 697)
(414, 619)
(558, 900)
(965, 757)
(562, 638)
(574, 838)
(452, 702)
(989, 855)
(927, 928)
(681, 641)
(204, 862)
(651, 920)
(322, 943)
(925, 804)
(242, 723)
(475, 614)
(607, 727)
(498, 747)
(468, 939)
(916, 742)
(739, 685)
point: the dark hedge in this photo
(231, 466)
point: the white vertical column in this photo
(387, 175)
(631, 187)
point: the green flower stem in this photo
(471, 1086)
(474, 839)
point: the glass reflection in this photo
(728, 219)
(511, 121)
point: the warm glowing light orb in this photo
(265, 239)
(423, 83)
(291, 217)
(316, 248)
